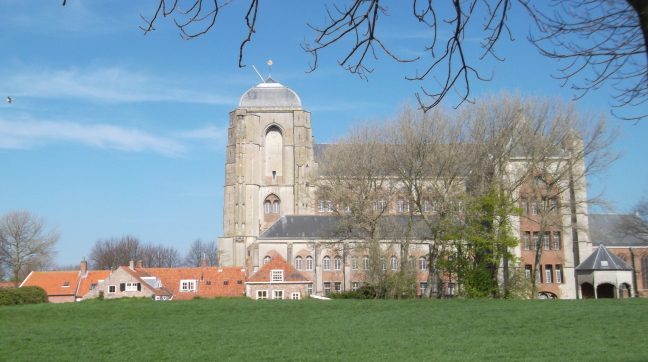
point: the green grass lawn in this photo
(336, 330)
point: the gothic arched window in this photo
(365, 263)
(298, 263)
(309, 263)
(337, 263)
(275, 206)
(267, 206)
(422, 263)
(327, 263)
(394, 263)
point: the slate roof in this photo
(603, 259)
(270, 94)
(329, 227)
(606, 229)
(53, 282)
(290, 274)
(211, 281)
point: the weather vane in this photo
(269, 68)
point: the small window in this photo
(132, 287)
(527, 240)
(93, 285)
(556, 240)
(226, 282)
(239, 282)
(309, 263)
(451, 288)
(365, 263)
(422, 287)
(412, 263)
(275, 207)
(426, 205)
(112, 289)
(401, 204)
(354, 263)
(545, 241)
(355, 285)
(534, 208)
(327, 263)
(527, 272)
(338, 287)
(329, 206)
(310, 289)
(536, 241)
(277, 294)
(295, 296)
(548, 273)
(298, 263)
(422, 264)
(559, 274)
(327, 288)
(274, 175)
(208, 282)
(187, 285)
(277, 275)
(266, 260)
(262, 294)
(337, 263)
(320, 204)
(267, 206)
(525, 208)
(394, 263)
(66, 284)
(604, 264)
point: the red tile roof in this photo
(54, 281)
(6, 285)
(139, 273)
(211, 281)
(91, 277)
(290, 274)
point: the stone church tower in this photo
(268, 162)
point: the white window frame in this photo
(355, 286)
(545, 241)
(277, 294)
(365, 263)
(309, 289)
(298, 263)
(534, 208)
(548, 274)
(295, 296)
(327, 288)
(337, 287)
(527, 240)
(337, 263)
(131, 287)
(354, 263)
(275, 207)
(556, 240)
(320, 204)
(401, 204)
(422, 263)
(309, 263)
(426, 205)
(112, 289)
(536, 241)
(262, 294)
(267, 206)
(327, 263)
(559, 274)
(266, 259)
(329, 206)
(422, 287)
(525, 208)
(277, 275)
(187, 285)
(383, 264)
(527, 271)
(394, 263)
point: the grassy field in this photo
(337, 330)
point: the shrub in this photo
(365, 292)
(31, 295)
(24, 295)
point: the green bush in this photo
(24, 295)
(365, 292)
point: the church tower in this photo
(268, 162)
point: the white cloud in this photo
(107, 85)
(29, 133)
(209, 132)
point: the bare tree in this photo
(605, 39)
(158, 256)
(199, 251)
(636, 226)
(110, 253)
(25, 241)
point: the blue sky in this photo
(112, 132)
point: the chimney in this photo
(204, 263)
(131, 265)
(84, 267)
(139, 263)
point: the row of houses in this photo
(277, 279)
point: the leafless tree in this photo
(111, 253)
(158, 256)
(605, 39)
(602, 41)
(25, 241)
(636, 226)
(199, 251)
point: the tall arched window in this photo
(383, 264)
(273, 154)
(267, 206)
(309, 263)
(422, 263)
(275, 206)
(320, 204)
(337, 263)
(394, 263)
(327, 263)
(298, 263)
(412, 264)
(354, 263)
(644, 271)
(365, 263)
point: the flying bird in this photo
(9, 99)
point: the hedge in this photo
(24, 295)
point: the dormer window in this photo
(604, 264)
(66, 284)
(277, 275)
(187, 285)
